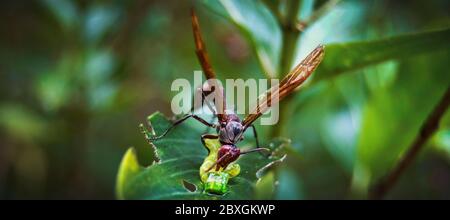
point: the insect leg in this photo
(207, 102)
(204, 100)
(211, 122)
(181, 120)
(255, 135)
(200, 90)
(203, 121)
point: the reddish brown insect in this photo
(230, 128)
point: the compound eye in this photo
(236, 131)
(237, 128)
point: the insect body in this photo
(230, 128)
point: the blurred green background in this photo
(77, 77)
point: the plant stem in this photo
(290, 35)
(273, 7)
(320, 12)
(428, 128)
(289, 46)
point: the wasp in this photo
(230, 128)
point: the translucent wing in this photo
(294, 79)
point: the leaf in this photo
(259, 26)
(345, 57)
(268, 179)
(129, 167)
(181, 154)
(266, 186)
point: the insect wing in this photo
(293, 80)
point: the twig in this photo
(319, 13)
(428, 128)
(272, 5)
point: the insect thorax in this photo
(230, 131)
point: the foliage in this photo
(180, 155)
(78, 76)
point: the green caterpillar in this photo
(216, 181)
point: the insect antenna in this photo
(255, 150)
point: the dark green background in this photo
(77, 77)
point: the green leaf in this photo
(259, 26)
(345, 57)
(181, 154)
(128, 169)
(268, 179)
(266, 186)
